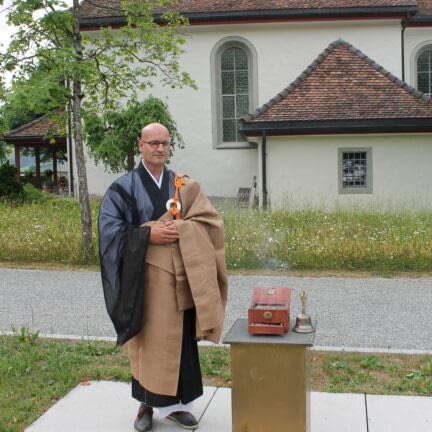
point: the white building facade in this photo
(269, 51)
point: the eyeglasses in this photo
(156, 144)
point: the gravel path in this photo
(359, 313)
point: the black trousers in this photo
(190, 380)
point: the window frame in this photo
(416, 53)
(216, 88)
(422, 51)
(368, 189)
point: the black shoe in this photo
(184, 419)
(144, 420)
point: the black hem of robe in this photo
(190, 380)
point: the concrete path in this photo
(107, 407)
(375, 314)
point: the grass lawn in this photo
(36, 372)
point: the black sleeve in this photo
(122, 249)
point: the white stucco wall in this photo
(303, 171)
(284, 50)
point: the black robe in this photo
(130, 201)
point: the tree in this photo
(113, 139)
(99, 71)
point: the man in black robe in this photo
(134, 199)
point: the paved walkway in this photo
(107, 407)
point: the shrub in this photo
(10, 187)
(29, 178)
(34, 195)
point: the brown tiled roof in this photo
(37, 129)
(344, 84)
(424, 7)
(111, 8)
(100, 8)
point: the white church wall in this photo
(284, 50)
(303, 171)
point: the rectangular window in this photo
(355, 170)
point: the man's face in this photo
(154, 156)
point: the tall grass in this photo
(315, 239)
(44, 231)
(307, 239)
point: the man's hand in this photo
(163, 233)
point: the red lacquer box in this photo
(269, 312)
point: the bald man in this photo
(164, 278)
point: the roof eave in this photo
(34, 139)
(420, 21)
(314, 127)
(90, 23)
(264, 15)
(304, 13)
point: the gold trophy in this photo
(303, 321)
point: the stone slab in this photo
(338, 412)
(104, 406)
(217, 417)
(399, 413)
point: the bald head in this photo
(152, 129)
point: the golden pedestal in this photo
(270, 380)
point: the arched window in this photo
(234, 90)
(424, 71)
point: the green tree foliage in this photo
(14, 115)
(113, 140)
(99, 68)
(10, 187)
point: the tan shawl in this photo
(178, 276)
